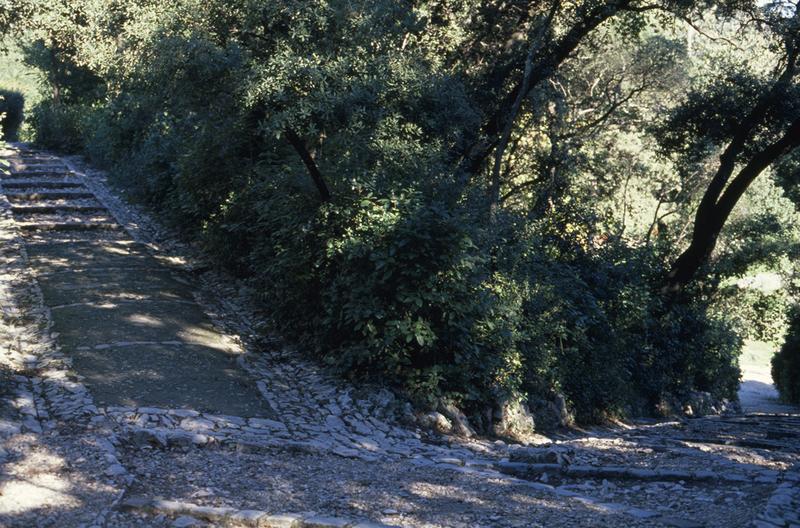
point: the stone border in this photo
(231, 517)
(765, 476)
(783, 508)
(55, 389)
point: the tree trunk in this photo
(547, 61)
(714, 209)
(311, 165)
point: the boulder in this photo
(435, 421)
(514, 420)
(461, 425)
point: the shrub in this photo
(603, 335)
(786, 363)
(378, 288)
(760, 315)
(11, 113)
(396, 290)
(59, 126)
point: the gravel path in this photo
(138, 389)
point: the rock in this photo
(246, 518)
(514, 420)
(560, 407)
(288, 520)
(346, 452)
(115, 470)
(184, 521)
(184, 413)
(532, 455)
(8, 428)
(459, 420)
(145, 437)
(134, 503)
(185, 439)
(436, 421)
(31, 424)
(677, 522)
(450, 460)
(319, 521)
(383, 398)
(267, 424)
(550, 414)
(360, 427)
(639, 513)
(698, 404)
(334, 422)
(197, 425)
(150, 410)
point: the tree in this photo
(763, 135)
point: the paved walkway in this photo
(130, 324)
(137, 392)
(757, 393)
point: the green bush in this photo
(11, 114)
(759, 315)
(383, 288)
(58, 126)
(397, 290)
(599, 331)
(786, 363)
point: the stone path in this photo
(138, 389)
(757, 393)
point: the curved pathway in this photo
(138, 392)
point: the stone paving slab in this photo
(55, 256)
(134, 332)
(96, 286)
(169, 376)
(91, 324)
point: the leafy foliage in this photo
(345, 161)
(11, 108)
(786, 363)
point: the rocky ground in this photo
(137, 389)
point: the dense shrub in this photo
(59, 126)
(603, 335)
(11, 113)
(786, 363)
(389, 288)
(760, 315)
(397, 290)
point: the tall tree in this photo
(766, 132)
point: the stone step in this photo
(69, 226)
(47, 195)
(36, 174)
(39, 165)
(34, 209)
(36, 157)
(23, 176)
(44, 185)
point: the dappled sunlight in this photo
(115, 250)
(38, 481)
(145, 320)
(651, 452)
(173, 260)
(57, 477)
